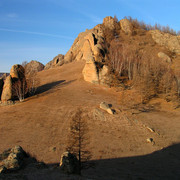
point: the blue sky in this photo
(41, 29)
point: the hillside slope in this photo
(41, 123)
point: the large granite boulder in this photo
(7, 90)
(33, 67)
(17, 72)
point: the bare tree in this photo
(32, 83)
(20, 89)
(24, 63)
(78, 138)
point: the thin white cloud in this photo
(12, 15)
(36, 33)
(94, 18)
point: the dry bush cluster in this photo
(150, 76)
(143, 25)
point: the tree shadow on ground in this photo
(46, 87)
(160, 165)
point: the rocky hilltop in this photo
(93, 46)
(117, 50)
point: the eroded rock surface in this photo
(7, 90)
(57, 61)
(33, 67)
(167, 40)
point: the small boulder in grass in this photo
(69, 163)
(12, 159)
(106, 107)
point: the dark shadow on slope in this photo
(160, 165)
(46, 87)
(163, 164)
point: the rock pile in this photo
(12, 159)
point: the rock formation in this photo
(167, 40)
(17, 72)
(69, 163)
(33, 67)
(7, 90)
(109, 22)
(57, 61)
(126, 26)
(12, 159)
(88, 46)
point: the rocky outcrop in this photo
(57, 61)
(12, 159)
(109, 22)
(7, 90)
(90, 72)
(69, 163)
(33, 67)
(88, 47)
(167, 40)
(164, 57)
(17, 72)
(126, 26)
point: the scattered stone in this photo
(150, 129)
(150, 140)
(106, 107)
(69, 163)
